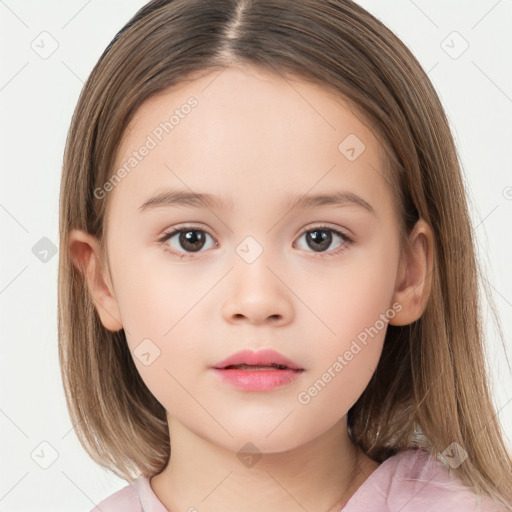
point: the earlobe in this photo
(413, 283)
(84, 251)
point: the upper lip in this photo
(262, 358)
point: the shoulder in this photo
(425, 480)
(124, 500)
(416, 481)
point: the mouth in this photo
(262, 371)
(256, 367)
(267, 359)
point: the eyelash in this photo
(178, 229)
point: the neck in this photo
(319, 475)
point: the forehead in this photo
(241, 132)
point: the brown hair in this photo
(431, 386)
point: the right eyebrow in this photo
(184, 198)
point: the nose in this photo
(258, 295)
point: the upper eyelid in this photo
(179, 228)
(303, 230)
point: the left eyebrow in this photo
(202, 200)
(342, 198)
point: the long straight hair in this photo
(431, 386)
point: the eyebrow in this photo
(178, 198)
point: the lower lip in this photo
(258, 380)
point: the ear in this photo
(84, 251)
(412, 287)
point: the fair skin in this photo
(255, 141)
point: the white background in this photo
(37, 100)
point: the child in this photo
(321, 349)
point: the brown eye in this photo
(192, 240)
(321, 238)
(185, 240)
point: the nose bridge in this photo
(251, 249)
(256, 293)
(253, 262)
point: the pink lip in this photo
(262, 358)
(257, 379)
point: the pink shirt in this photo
(410, 481)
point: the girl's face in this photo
(253, 273)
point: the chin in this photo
(258, 442)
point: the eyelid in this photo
(341, 231)
(348, 239)
(325, 225)
(183, 227)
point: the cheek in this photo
(153, 294)
(353, 302)
(159, 306)
(346, 358)
(351, 295)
